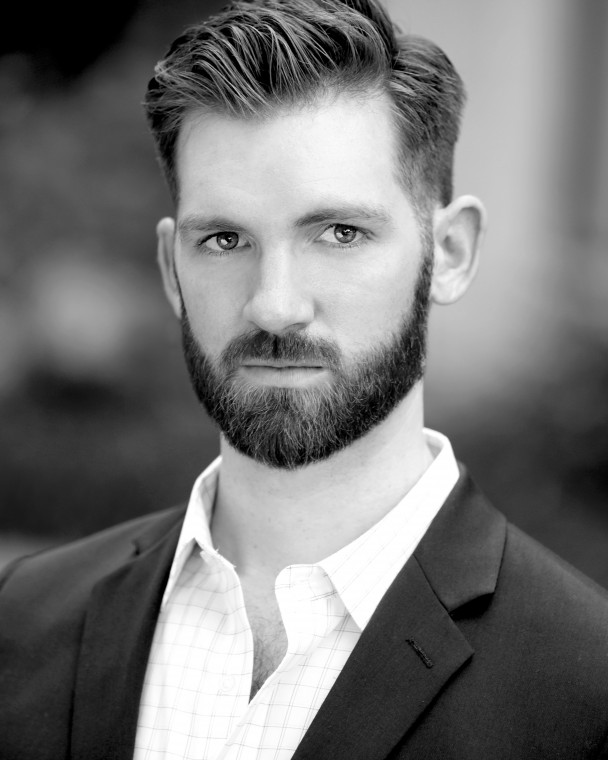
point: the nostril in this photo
(278, 309)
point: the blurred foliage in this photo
(98, 420)
(99, 423)
(542, 456)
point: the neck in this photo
(267, 518)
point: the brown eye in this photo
(227, 240)
(345, 234)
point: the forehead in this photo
(340, 149)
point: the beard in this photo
(290, 428)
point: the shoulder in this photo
(541, 586)
(45, 602)
(532, 619)
(44, 597)
(475, 549)
(538, 632)
(543, 637)
(538, 599)
(76, 566)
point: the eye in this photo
(221, 241)
(342, 234)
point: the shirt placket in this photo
(234, 680)
(310, 610)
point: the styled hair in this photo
(257, 56)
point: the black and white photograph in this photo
(304, 380)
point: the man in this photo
(337, 586)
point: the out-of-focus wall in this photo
(518, 369)
(98, 420)
(534, 148)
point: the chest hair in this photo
(269, 641)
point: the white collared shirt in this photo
(195, 701)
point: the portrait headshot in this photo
(305, 425)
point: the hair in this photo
(258, 56)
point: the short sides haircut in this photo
(256, 57)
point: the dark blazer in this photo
(485, 647)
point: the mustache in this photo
(292, 346)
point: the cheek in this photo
(373, 304)
(212, 311)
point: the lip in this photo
(278, 365)
(284, 375)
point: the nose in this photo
(278, 301)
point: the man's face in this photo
(302, 276)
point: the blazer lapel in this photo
(116, 640)
(411, 647)
(408, 651)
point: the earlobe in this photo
(458, 233)
(165, 231)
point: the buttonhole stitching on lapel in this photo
(421, 653)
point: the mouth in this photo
(279, 365)
(281, 373)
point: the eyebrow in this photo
(345, 212)
(365, 213)
(197, 222)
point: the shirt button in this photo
(228, 683)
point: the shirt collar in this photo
(361, 571)
(196, 526)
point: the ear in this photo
(165, 231)
(458, 229)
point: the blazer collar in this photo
(116, 640)
(157, 528)
(411, 647)
(462, 550)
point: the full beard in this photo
(290, 428)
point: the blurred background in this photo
(97, 420)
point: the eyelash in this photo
(200, 244)
(342, 246)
